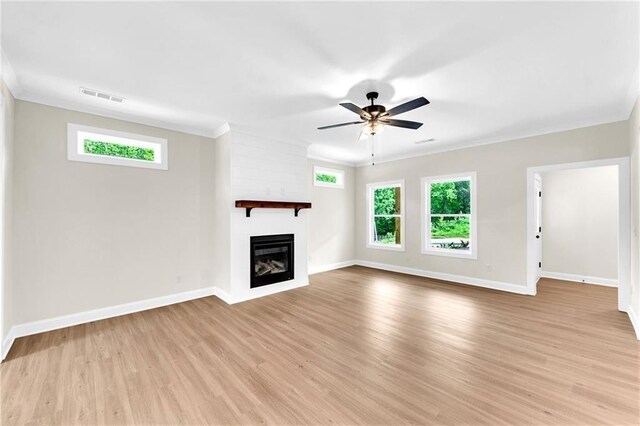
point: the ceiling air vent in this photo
(424, 141)
(101, 95)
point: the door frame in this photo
(537, 220)
(3, 191)
(624, 223)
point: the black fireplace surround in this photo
(271, 259)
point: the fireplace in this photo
(271, 259)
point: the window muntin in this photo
(89, 144)
(330, 178)
(386, 215)
(449, 215)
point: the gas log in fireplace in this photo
(271, 259)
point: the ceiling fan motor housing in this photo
(374, 110)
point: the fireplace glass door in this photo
(271, 259)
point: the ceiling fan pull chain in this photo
(373, 160)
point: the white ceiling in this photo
(492, 71)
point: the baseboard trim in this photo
(635, 321)
(41, 326)
(459, 279)
(262, 292)
(607, 282)
(7, 343)
(223, 295)
(330, 267)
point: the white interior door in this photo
(538, 222)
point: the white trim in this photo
(635, 322)
(3, 191)
(339, 175)
(75, 149)
(222, 295)
(7, 343)
(514, 137)
(268, 290)
(624, 223)
(41, 326)
(369, 219)
(330, 267)
(72, 105)
(607, 282)
(425, 206)
(8, 75)
(224, 128)
(458, 279)
(331, 160)
(55, 323)
(252, 131)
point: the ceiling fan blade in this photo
(340, 125)
(355, 108)
(407, 106)
(402, 123)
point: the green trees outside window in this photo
(387, 215)
(450, 214)
(323, 177)
(118, 150)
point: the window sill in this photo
(391, 247)
(451, 253)
(329, 185)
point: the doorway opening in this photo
(602, 255)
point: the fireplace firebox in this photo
(271, 259)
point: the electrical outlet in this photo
(489, 268)
(178, 279)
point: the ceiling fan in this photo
(376, 117)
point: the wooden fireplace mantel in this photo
(253, 204)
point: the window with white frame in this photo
(94, 145)
(330, 178)
(449, 215)
(386, 215)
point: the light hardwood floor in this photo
(357, 346)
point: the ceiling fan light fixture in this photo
(373, 127)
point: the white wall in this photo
(332, 219)
(634, 146)
(7, 249)
(580, 223)
(501, 183)
(90, 235)
(271, 170)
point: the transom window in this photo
(94, 145)
(386, 215)
(449, 217)
(330, 178)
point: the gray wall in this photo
(331, 219)
(580, 222)
(501, 181)
(94, 235)
(222, 213)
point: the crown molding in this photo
(224, 128)
(331, 160)
(257, 133)
(28, 96)
(514, 137)
(634, 91)
(9, 76)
